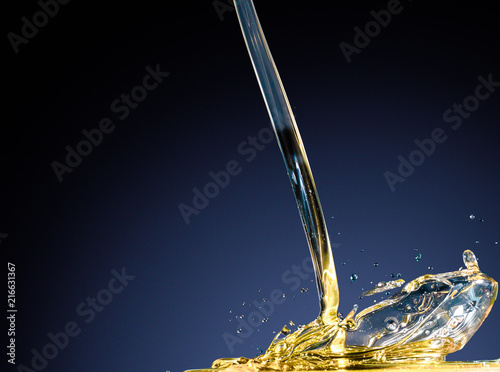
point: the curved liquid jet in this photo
(428, 318)
(296, 162)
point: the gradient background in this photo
(119, 208)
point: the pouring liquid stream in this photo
(430, 317)
(295, 157)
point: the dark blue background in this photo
(119, 207)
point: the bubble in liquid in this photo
(472, 216)
(362, 250)
(243, 303)
(265, 320)
(481, 220)
(430, 268)
(391, 324)
(304, 290)
(354, 277)
(375, 264)
(398, 275)
(260, 290)
(415, 249)
(284, 295)
(393, 275)
(388, 293)
(239, 330)
(264, 299)
(418, 257)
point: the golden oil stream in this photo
(415, 328)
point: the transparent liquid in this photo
(428, 318)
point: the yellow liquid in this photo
(416, 328)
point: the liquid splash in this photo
(428, 318)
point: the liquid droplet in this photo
(391, 324)
(354, 277)
(470, 260)
(285, 330)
